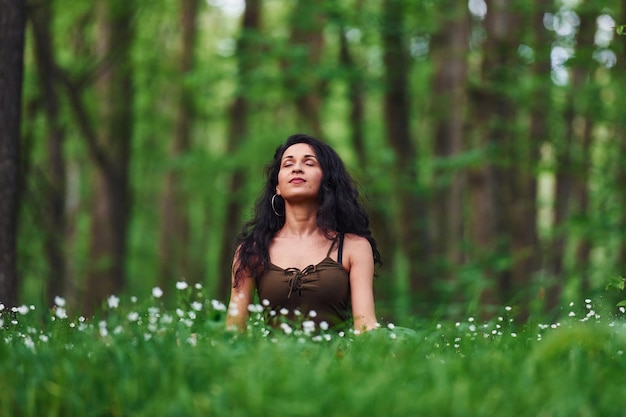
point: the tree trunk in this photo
(449, 51)
(510, 173)
(541, 72)
(307, 44)
(586, 99)
(12, 27)
(356, 87)
(111, 197)
(573, 163)
(238, 116)
(411, 216)
(174, 250)
(54, 216)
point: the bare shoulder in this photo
(357, 247)
(356, 241)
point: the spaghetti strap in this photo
(340, 249)
(339, 240)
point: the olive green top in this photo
(323, 288)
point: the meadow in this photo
(139, 357)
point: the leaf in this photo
(616, 283)
(621, 304)
(621, 30)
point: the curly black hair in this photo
(339, 210)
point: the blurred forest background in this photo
(488, 137)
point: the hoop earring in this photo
(273, 207)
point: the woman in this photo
(308, 251)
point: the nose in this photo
(296, 168)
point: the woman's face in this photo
(300, 174)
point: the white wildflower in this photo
(60, 313)
(218, 305)
(286, 328)
(133, 299)
(181, 285)
(196, 305)
(308, 326)
(133, 316)
(157, 292)
(508, 308)
(23, 309)
(255, 308)
(265, 302)
(180, 312)
(284, 311)
(198, 286)
(59, 301)
(391, 326)
(29, 343)
(323, 325)
(113, 301)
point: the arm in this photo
(240, 299)
(361, 263)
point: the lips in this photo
(296, 180)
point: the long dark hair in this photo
(339, 209)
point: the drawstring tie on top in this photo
(296, 281)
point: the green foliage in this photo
(621, 30)
(143, 359)
(617, 284)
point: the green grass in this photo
(142, 359)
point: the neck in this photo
(300, 220)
